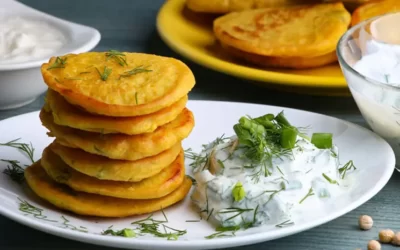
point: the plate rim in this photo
(121, 242)
(285, 79)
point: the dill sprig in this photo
(106, 72)
(347, 167)
(66, 224)
(59, 63)
(118, 56)
(235, 210)
(285, 224)
(14, 170)
(24, 147)
(137, 70)
(331, 181)
(310, 193)
(223, 232)
(197, 159)
(126, 232)
(152, 226)
(28, 208)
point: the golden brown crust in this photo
(66, 114)
(79, 81)
(104, 168)
(119, 146)
(283, 62)
(153, 187)
(96, 205)
(373, 9)
(301, 31)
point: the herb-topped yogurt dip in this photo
(264, 172)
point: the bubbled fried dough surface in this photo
(143, 84)
(156, 186)
(282, 62)
(103, 168)
(119, 146)
(96, 205)
(374, 9)
(303, 31)
(69, 115)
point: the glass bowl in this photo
(378, 102)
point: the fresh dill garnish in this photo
(137, 70)
(333, 153)
(329, 179)
(209, 215)
(24, 147)
(235, 210)
(28, 208)
(280, 171)
(66, 224)
(152, 226)
(310, 193)
(347, 167)
(118, 56)
(192, 220)
(219, 140)
(285, 224)
(386, 78)
(59, 63)
(221, 163)
(106, 72)
(197, 159)
(308, 171)
(194, 182)
(14, 170)
(126, 232)
(136, 98)
(85, 72)
(223, 232)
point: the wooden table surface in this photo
(129, 25)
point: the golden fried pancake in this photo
(82, 203)
(373, 9)
(225, 6)
(104, 168)
(283, 62)
(118, 84)
(69, 115)
(119, 146)
(300, 31)
(156, 186)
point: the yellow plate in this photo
(190, 34)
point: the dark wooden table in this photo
(129, 25)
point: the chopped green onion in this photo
(238, 192)
(288, 137)
(281, 119)
(322, 140)
(265, 120)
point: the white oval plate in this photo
(373, 157)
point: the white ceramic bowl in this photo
(22, 83)
(379, 103)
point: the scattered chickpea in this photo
(386, 236)
(374, 245)
(365, 222)
(396, 239)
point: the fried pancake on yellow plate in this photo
(104, 168)
(69, 115)
(118, 84)
(283, 62)
(225, 6)
(119, 146)
(82, 203)
(156, 186)
(300, 31)
(373, 9)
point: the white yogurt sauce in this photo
(23, 39)
(270, 199)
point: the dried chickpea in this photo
(374, 245)
(365, 222)
(386, 236)
(396, 239)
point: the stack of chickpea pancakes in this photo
(118, 120)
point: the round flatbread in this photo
(82, 203)
(283, 62)
(300, 31)
(119, 146)
(223, 6)
(69, 115)
(118, 83)
(103, 168)
(153, 187)
(374, 9)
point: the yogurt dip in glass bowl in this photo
(369, 56)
